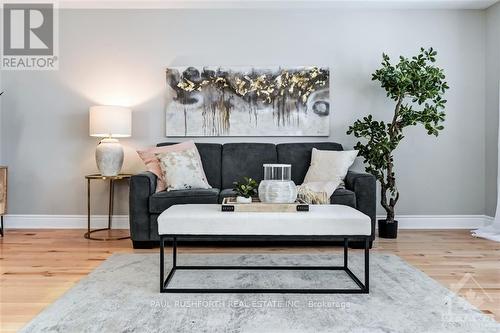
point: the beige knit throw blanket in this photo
(309, 196)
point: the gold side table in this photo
(112, 180)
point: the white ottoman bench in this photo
(336, 222)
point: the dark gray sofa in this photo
(224, 164)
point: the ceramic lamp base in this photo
(109, 157)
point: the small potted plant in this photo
(245, 190)
(416, 86)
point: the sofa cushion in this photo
(226, 193)
(245, 159)
(210, 158)
(299, 156)
(343, 196)
(160, 201)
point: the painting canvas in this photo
(217, 101)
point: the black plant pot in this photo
(387, 230)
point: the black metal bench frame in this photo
(363, 288)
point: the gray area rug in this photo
(122, 295)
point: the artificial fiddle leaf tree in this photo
(417, 87)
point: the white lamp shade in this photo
(110, 121)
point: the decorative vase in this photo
(277, 186)
(387, 230)
(109, 157)
(240, 199)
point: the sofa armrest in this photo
(364, 185)
(142, 186)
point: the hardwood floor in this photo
(38, 266)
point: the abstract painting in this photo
(217, 101)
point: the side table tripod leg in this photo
(111, 195)
(88, 208)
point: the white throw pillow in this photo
(183, 170)
(329, 167)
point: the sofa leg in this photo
(144, 244)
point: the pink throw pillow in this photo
(149, 158)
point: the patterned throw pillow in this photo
(149, 158)
(182, 170)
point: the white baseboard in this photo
(441, 221)
(15, 221)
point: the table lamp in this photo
(109, 122)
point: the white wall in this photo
(119, 56)
(492, 107)
(1, 155)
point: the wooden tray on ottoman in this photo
(230, 205)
